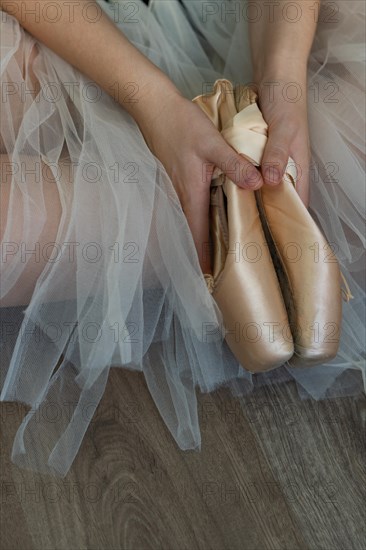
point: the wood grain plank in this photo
(274, 472)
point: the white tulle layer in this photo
(125, 288)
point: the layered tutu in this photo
(119, 281)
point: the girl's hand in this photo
(189, 146)
(280, 49)
(282, 94)
(283, 102)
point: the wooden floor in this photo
(274, 473)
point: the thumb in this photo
(276, 154)
(236, 167)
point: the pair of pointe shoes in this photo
(274, 276)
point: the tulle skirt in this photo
(119, 281)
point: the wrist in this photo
(283, 82)
(156, 99)
(150, 98)
(280, 67)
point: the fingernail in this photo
(272, 175)
(253, 178)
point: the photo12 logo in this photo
(271, 10)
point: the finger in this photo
(302, 156)
(276, 154)
(196, 210)
(236, 167)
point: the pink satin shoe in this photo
(243, 282)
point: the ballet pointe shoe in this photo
(306, 266)
(243, 282)
(308, 271)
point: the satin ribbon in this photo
(247, 134)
